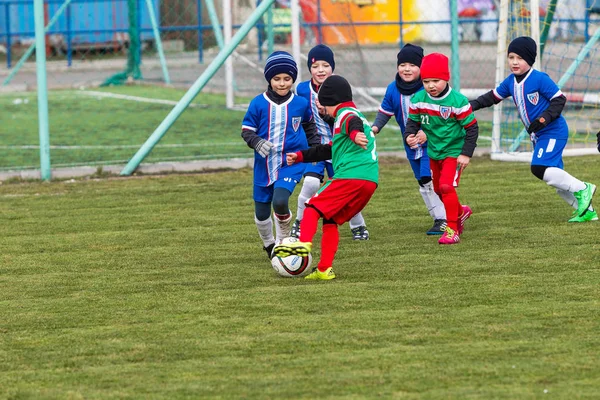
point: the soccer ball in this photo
(291, 266)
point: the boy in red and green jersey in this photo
(354, 157)
(449, 126)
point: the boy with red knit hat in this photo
(443, 118)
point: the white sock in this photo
(283, 225)
(435, 207)
(357, 221)
(310, 186)
(265, 230)
(561, 179)
(570, 199)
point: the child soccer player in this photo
(442, 117)
(540, 103)
(277, 122)
(356, 175)
(321, 65)
(396, 102)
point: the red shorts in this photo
(341, 199)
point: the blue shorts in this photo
(547, 151)
(288, 178)
(319, 168)
(421, 167)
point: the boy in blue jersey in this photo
(397, 103)
(539, 103)
(321, 64)
(277, 122)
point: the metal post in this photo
(270, 32)
(455, 75)
(8, 41)
(159, 48)
(200, 36)
(227, 30)
(42, 89)
(296, 36)
(195, 89)
(69, 37)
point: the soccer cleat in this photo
(297, 248)
(269, 250)
(466, 213)
(449, 237)
(295, 231)
(587, 216)
(317, 275)
(584, 198)
(360, 233)
(438, 228)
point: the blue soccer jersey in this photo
(306, 90)
(396, 104)
(532, 96)
(280, 124)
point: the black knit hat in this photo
(525, 47)
(410, 54)
(321, 53)
(335, 90)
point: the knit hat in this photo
(435, 66)
(321, 53)
(335, 90)
(525, 47)
(410, 54)
(280, 62)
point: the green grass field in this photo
(86, 129)
(157, 287)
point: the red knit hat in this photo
(435, 66)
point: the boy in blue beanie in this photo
(277, 122)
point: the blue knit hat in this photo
(321, 53)
(525, 47)
(280, 62)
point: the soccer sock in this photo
(452, 205)
(282, 225)
(309, 188)
(435, 207)
(265, 230)
(561, 179)
(357, 221)
(329, 246)
(308, 226)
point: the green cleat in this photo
(317, 275)
(587, 216)
(584, 198)
(292, 248)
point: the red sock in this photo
(329, 246)
(308, 226)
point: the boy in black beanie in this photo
(321, 64)
(396, 103)
(540, 103)
(354, 159)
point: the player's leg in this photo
(358, 227)
(422, 172)
(329, 246)
(313, 177)
(282, 213)
(446, 170)
(262, 216)
(547, 165)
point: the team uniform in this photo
(397, 104)
(280, 124)
(356, 172)
(305, 90)
(532, 97)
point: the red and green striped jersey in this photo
(443, 119)
(350, 161)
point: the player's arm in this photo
(410, 132)
(310, 128)
(557, 104)
(356, 131)
(320, 152)
(381, 119)
(485, 100)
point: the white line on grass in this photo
(94, 93)
(126, 146)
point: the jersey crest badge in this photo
(533, 98)
(445, 112)
(296, 123)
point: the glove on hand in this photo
(263, 147)
(537, 125)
